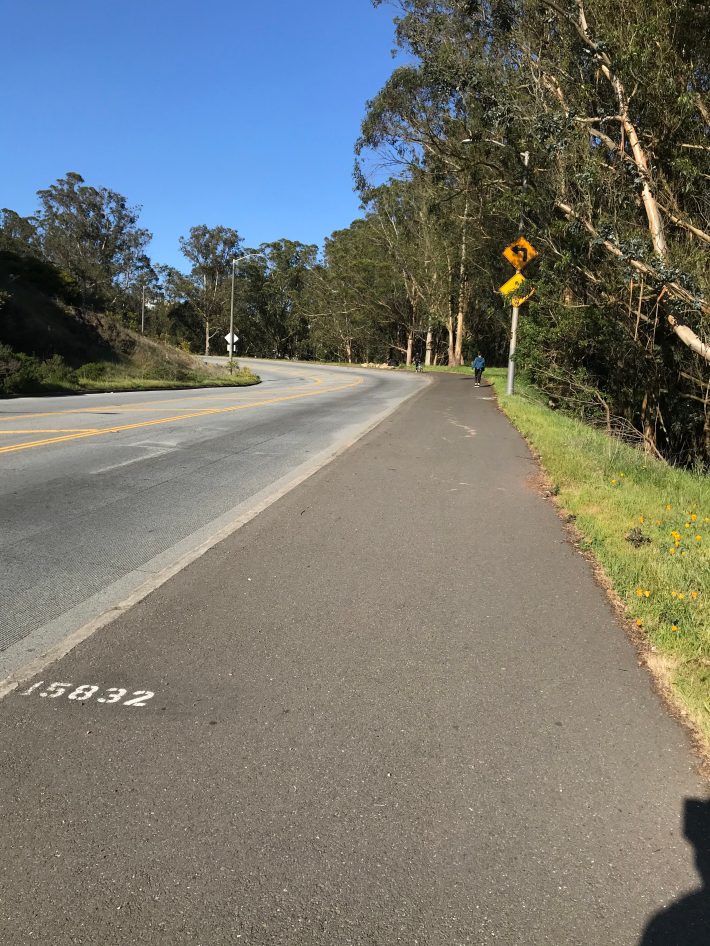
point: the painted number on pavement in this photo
(86, 691)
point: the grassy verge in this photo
(22, 374)
(447, 369)
(648, 525)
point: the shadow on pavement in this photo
(687, 922)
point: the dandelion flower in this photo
(698, 538)
(671, 551)
(681, 596)
(668, 507)
(674, 594)
(693, 517)
(683, 552)
(639, 622)
(642, 519)
(639, 592)
(687, 525)
(647, 594)
(694, 595)
(674, 627)
(706, 519)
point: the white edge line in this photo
(36, 665)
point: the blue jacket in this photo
(479, 363)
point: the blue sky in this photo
(202, 111)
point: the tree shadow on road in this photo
(687, 921)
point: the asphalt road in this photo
(100, 493)
(393, 708)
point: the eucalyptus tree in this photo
(621, 144)
(354, 299)
(269, 291)
(18, 234)
(206, 287)
(435, 122)
(608, 99)
(92, 234)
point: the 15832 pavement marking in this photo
(86, 691)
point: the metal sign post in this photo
(518, 254)
(231, 339)
(511, 353)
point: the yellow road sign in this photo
(515, 282)
(514, 292)
(518, 300)
(520, 253)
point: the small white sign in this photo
(230, 338)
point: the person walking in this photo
(479, 366)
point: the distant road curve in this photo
(101, 495)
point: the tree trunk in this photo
(463, 290)
(450, 329)
(674, 289)
(207, 337)
(653, 215)
(458, 350)
(410, 346)
(429, 342)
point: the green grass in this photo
(612, 489)
(119, 381)
(22, 374)
(447, 369)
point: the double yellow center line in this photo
(80, 434)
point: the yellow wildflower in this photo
(642, 519)
(698, 538)
(674, 627)
(693, 517)
(668, 507)
(671, 551)
(694, 595)
(639, 622)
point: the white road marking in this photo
(85, 691)
(145, 456)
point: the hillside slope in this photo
(48, 344)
